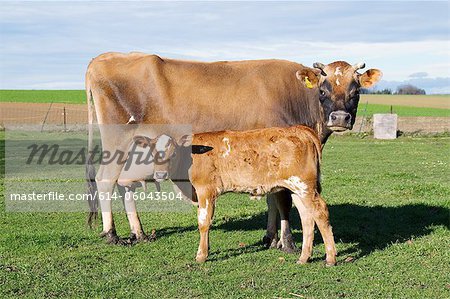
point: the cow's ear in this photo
(201, 149)
(185, 140)
(370, 78)
(144, 141)
(308, 77)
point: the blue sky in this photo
(47, 45)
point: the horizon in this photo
(49, 45)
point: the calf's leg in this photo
(205, 213)
(137, 233)
(307, 219)
(312, 208)
(321, 217)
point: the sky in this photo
(48, 45)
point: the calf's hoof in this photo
(201, 258)
(330, 262)
(287, 244)
(303, 260)
(111, 237)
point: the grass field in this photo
(402, 105)
(389, 205)
(43, 96)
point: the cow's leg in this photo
(270, 240)
(321, 217)
(106, 178)
(137, 233)
(205, 213)
(283, 202)
(307, 219)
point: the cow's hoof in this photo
(134, 239)
(141, 238)
(287, 244)
(111, 237)
(270, 242)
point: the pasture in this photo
(429, 105)
(389, 206)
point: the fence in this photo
(70, 117)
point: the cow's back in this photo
(235, 95)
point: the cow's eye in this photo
(322, 92)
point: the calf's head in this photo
(339, 85)
(164, 151)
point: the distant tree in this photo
(372, 91)
(409, 89)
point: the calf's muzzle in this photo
(160, 176)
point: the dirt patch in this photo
(36, 113)
(430, 101)
(409, 124)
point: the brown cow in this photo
(258, 162)
(237, 95)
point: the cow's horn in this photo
(320, 66)
(359, 66)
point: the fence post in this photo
(364, 117)
(46, 115)
(65, 122)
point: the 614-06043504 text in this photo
(58, 196)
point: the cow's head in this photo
(339, 84)
(164, 150)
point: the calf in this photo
(145, 162)
(259, 162)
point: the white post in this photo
(385, 126)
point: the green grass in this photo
(43, 96)
(389, 207)
(400, 110)
(79, 97)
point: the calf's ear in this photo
(309, 77)
(185, 140)
(144, 141)
(201, 149)
(370, 78)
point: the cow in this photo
(235, 95)
(258, 162)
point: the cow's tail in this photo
(90, 169)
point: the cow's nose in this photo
(339, 119)
(161, 176)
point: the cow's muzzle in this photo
(160, 176)
(339, 121)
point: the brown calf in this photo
(259, 162)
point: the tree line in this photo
(402, 89)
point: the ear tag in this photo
(308, 83)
